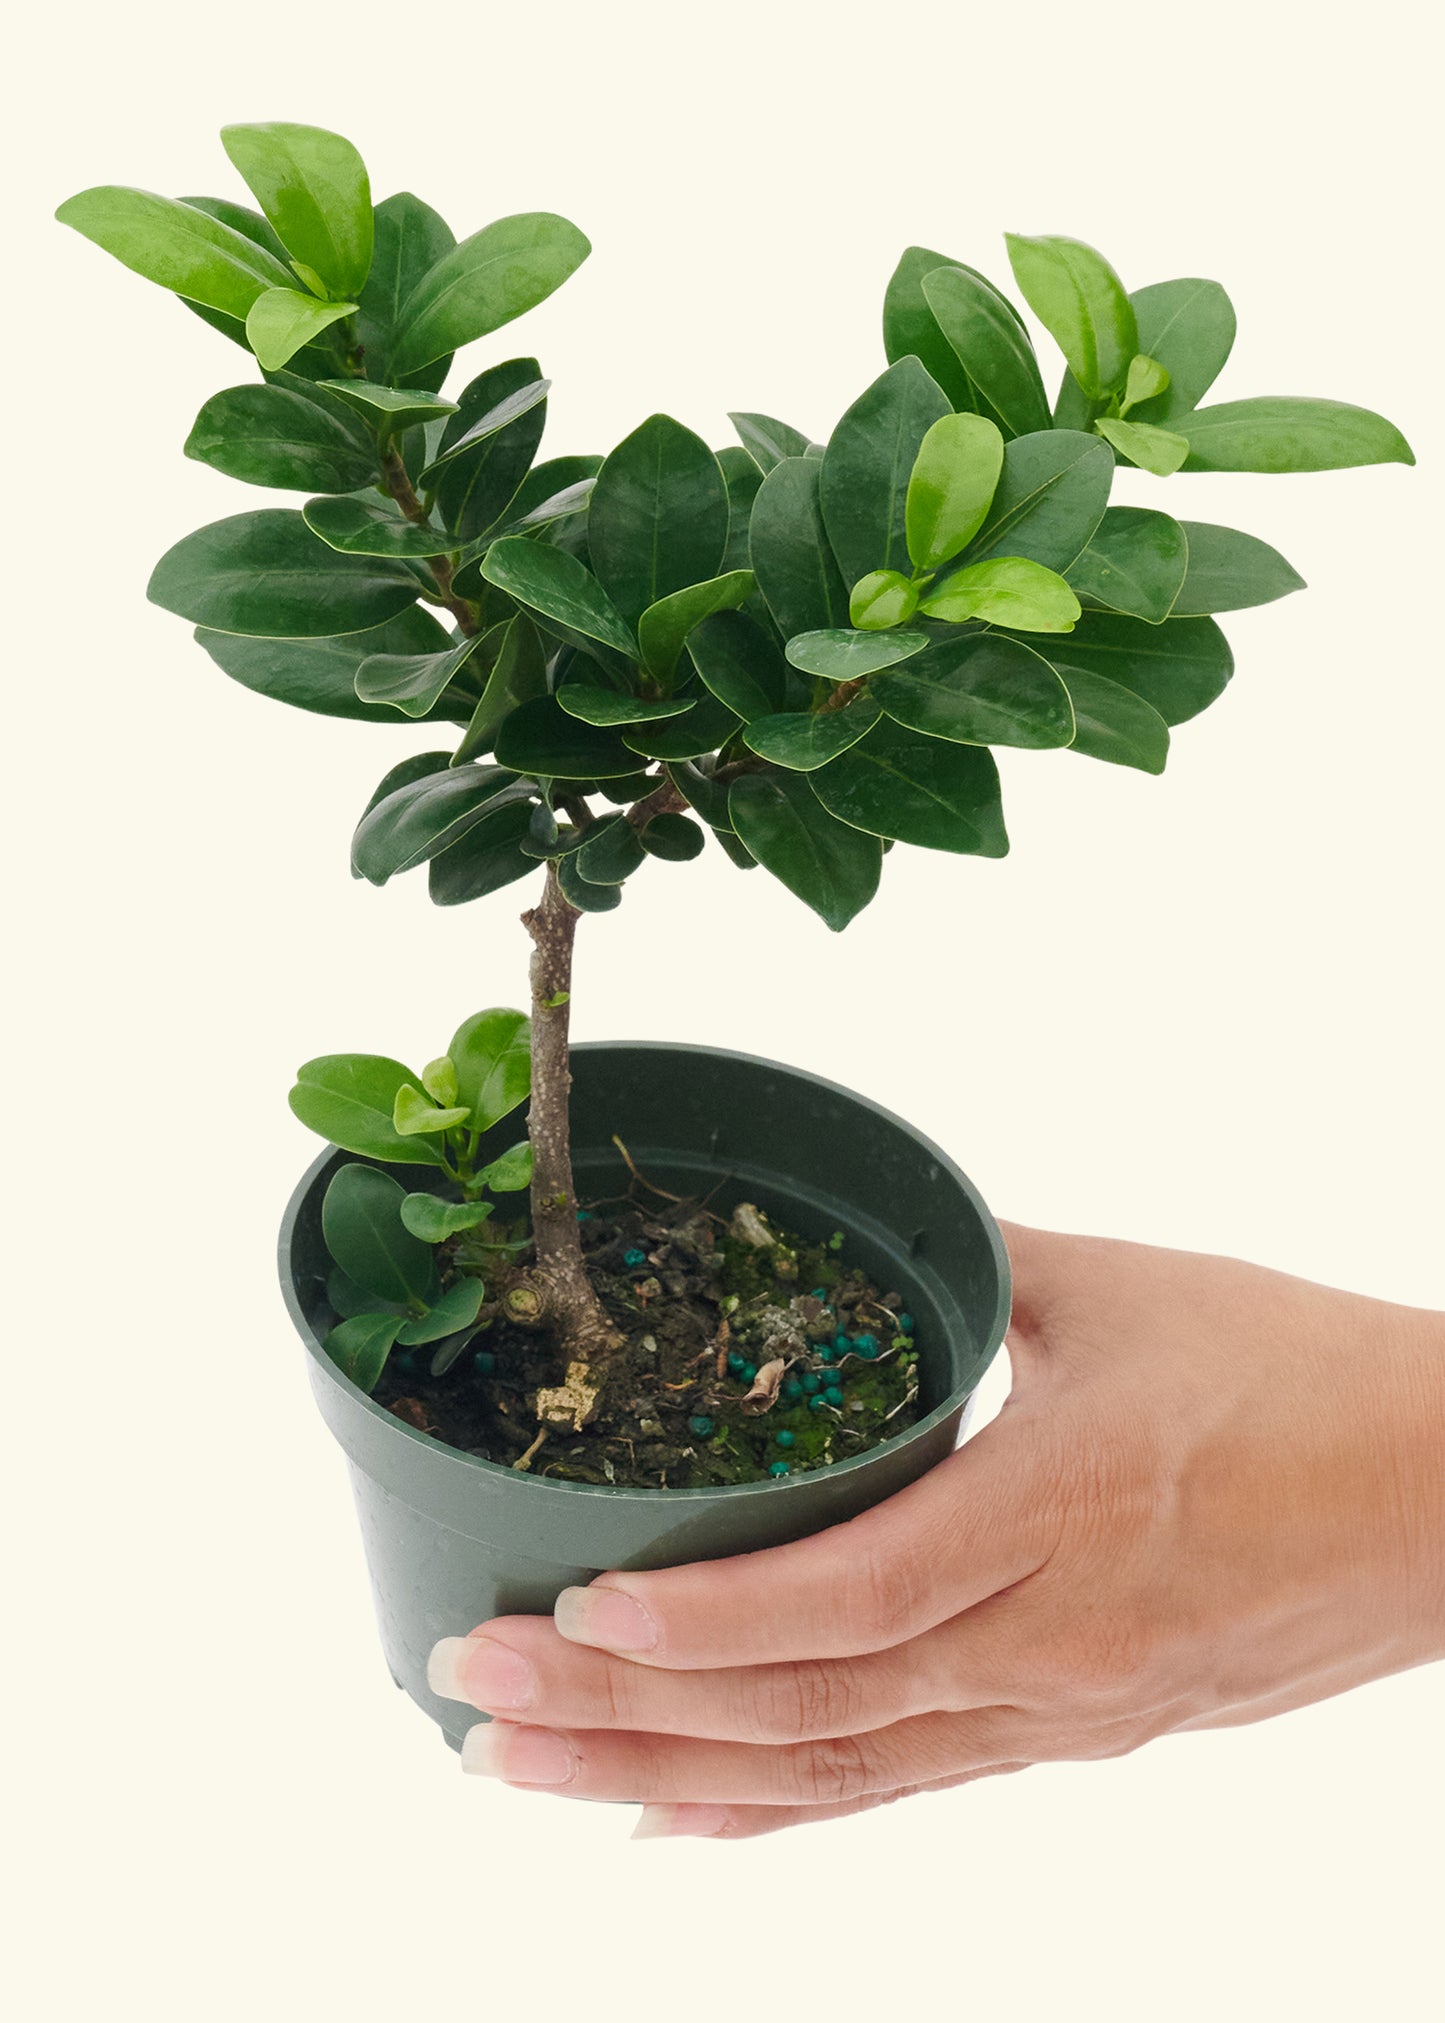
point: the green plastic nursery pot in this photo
(452, 1540)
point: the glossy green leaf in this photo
(492, 1054)
(980, 689)
(269, 435)
(495, 275)
(607, 706)
(363, 527)
(177, 246)
(1006, 590)
(282, 320)
(768, 442)
(564, 594)
(702, 792)
(518, 674)
(313, 361)
(983, 330)
(410, 237)
(439, 1079)
(849, 656)
(485, 860)
(412, 682)
(804, 741)
(791, 558)
(831, 866)
(1081, 302)
(391, 410)
(863, 488)
(582, 893)
(350, 1098)
(705, 728)
(313, 187)
(1114, 724)
(481, 465)
(1188, 326)
(910, 328)
(361, 1222)
(663, 627)
(416, 821)
(457, 1308)
(742, 665)
(673, 838)
(915, 789)
(1179, 667)
(1229, 571)
(1050, 498)
(658, 518)
(420, 766)
(359, 1346)
(267, 575)
(1157, 450)
(882, 598)
(542, 739)
(951, 487)
(1135, 562)
(552, 490)
(320, 674)
(1147, 377)
(415, 1115)
(743, 479)
(510, 1171)
(1282, 434)
(611, 853)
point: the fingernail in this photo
(664, 1822)
(518, 1755)
(487, 1674)
(606, 1617)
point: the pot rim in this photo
(524, 1481)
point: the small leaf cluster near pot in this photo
(802, 651)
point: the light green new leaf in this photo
(1007, 590)
(563, 593)
(267, 575)
(664, 626)
(349, 1098)
(313, 187)
(863, 487)
(1229, 571)
(272, 435)
(412, 682)
(361, 1222)
(320, 674)
(1135, 562)
(768, 442)
(829, 865)
(495, 275)
(1179, 667)
(658, 518)
(791, 558)
(951, 487)
(882, 598)
(367, 527)
(1050, 498)
(415, 1116)
(359, 1346)
(983, 329)
(1147, 377)
(1081, 302)
(802, 742)
(1279, 433)
(915, 789)
(492, 1053)
(1188, 326)
(422, 817)
(434, 1220)
(849, 656)
(1156, 450)
(1114, 724)
(510, 1171)
(177, 246)
(282, 320)
(980, 689)
(439, 1079)
(457, 1308)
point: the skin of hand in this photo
(1215, 1494)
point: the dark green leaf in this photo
(359, 527)
(611, 853)
(457, 1308)
(791, 558)
(492, 1054)
(320, 674)
(806, 741)
(420, 766)
(313, 187)
(768, 442)
(495, 275)
(1080, 301)
(176, 245)
(283, 321)
(1114, 724)
(658, 518)
(560, 590)
(941, 795)
(664, 626)
(743, 480)
(849, 656)
(951, 487)
(1134, 563)
(361, 1222)
(410, 238)
(980, 689)
(346, 1298)
(1179, 667)
(830, 865)
(742, 666)
(582, 893)
(701, 792)
(1050, 498)
(412, 682)
(605, 706)
(1283, 434)
(418, 820)
(704, 729)
(1006, 590)
(910, 329)
(540, 738)
(983, 329)
(267, 435)
(349, 1098)
(267, 575)
(1229, 571)
(863, 490)
(1157, 450)
(672, 837)
(532, 393)
(518, 674)
(1189, 327)
(359, 1347)
(389, 409)
(479, 478)
(487, 858)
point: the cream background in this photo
(1203, 1010)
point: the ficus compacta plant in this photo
(804, 650)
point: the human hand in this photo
(1213, 1495)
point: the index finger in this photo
(970, 1527)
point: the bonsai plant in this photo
(801, 650)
